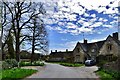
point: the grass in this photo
(72, 64)
(105, 74)
(36, 63)
(68, 64)
(13, 74)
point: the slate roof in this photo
(86, 47)
(60, 54)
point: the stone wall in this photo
(78, 54)
(114, 49)
(114, 65)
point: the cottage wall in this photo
(106, 50)
(78, 54)
(93, 52)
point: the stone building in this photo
(97, 51)
(65, 56)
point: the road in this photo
(59, 71)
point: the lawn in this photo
(13, 74)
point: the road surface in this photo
(59, 71)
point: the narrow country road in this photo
(59, 71)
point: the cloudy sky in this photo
(70, 21)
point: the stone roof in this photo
(60, 54)
(86, 47)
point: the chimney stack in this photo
(66, 50)
(115, 36)
(51, 51)
(119, 36)
(85, 41)
(55, 50)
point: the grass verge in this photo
(105, 75)
(15, 74)
(71, 64)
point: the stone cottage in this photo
(65, 56)
(97, 51)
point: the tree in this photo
(19, 16)
(38, 38)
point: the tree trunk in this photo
(33, 44)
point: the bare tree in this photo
(38, 37)
(20, 14)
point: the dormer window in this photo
(109, 47)
(93, 50)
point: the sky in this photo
(72, 21)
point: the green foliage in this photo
(35, 63)
(71, 64)
(13, 62)
(9, 63)
(108, 74)
(6, 65)
(101, 63)
(13, 74)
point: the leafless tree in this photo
(18, 16)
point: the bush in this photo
(6, 65)
(12, 62)
(101, 63)
(35, 63)
(9, 63)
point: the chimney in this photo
(119, 36)
(115, 36)
(55, 50)
(85, 41)
(66, 50)
(51, 51)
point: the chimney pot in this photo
(115, 36)
(85, 41)
(55, 50)
(66, 50)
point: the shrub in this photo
(9, 63)
(35, 63)
(6, 65)
(101, 63)
(12, 62)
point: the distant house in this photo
(97, 51)
(65, 56)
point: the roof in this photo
(61, 53)
(86, 47)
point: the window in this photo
(93, 50)
(109, 47)
(78, 50)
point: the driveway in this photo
(59, 71)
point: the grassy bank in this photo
(13, 74)
(111, 75)
(72, 64)
(68, 64)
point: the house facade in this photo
(101, 50)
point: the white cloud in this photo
(93, 15)
(96, 40)
(71, 25)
